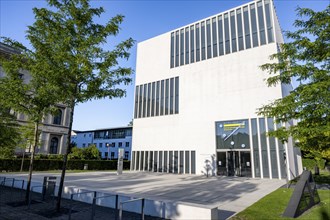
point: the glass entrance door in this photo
(234, 163)
(222, 163)
(246, 164)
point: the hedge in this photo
(48, 164)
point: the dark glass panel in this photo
(269, 22)
(220, 33)
(261, 23)
(208, 39)
(263, 141)
(197, 43)
(176, 95)
(193, 162)
(247, 28)
(233, 31)
(176, 48)
(192, 44)
(272, 147)
(281, 149)
(132, 160)
(255, 147)
(171, 96)
(162, 98)
(155, 161)
(166, 96)
(203, 39)
(149, 100)
(142, 161)
(240, 30)
(187, 162)
(172, 49)
(140, 101)
(165, 162)
(187, 45)
(214, 37)
(144, 100)
(227, 40)
(181, 163)
(254, 25)
(157, 97)
(137, 162)
(151, 161)
(136, 101)
(170, 162)
(146, 156)
(181, 47)
(161, 166)
(176, 161)
(153, 99)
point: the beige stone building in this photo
(54, 128)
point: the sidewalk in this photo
(12, 207)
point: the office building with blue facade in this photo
(107, 140)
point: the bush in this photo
(311, 163)
(14, 165)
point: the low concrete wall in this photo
(163, 209)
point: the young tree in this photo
(307, 58)
(25, 91)
(27, 138)
(71, 45)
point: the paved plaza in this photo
(229, 194)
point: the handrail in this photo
(100, 197)
(73, 194)
(30, 194)
(23, 181)
(5, 179)
(132, 200)
(2, 177)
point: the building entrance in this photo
(234, 163)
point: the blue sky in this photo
(143, 20)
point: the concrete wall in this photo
(162, 209)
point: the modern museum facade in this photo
(197, 92)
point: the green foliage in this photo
(56, 164)
(89, 153)
(69, 43)
(311, 163)
(76, 153)
(9, 133)
(306, 58)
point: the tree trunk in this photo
(36, 128)
(22, 163)
(65, 159)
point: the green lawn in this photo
(273, 205)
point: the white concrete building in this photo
(197, 92)
(54, 128)
(107, 140)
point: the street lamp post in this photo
(108, 146)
